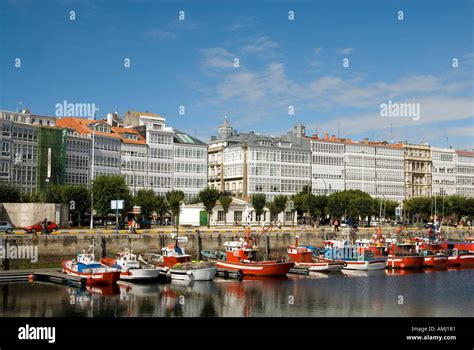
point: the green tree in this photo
(146, 200)
(258, 203)
(418, 208)
(106, 188)
(469, 208)
(52, 194)
(82, 198)
(298, 203)
(314, 205)
(362, 205)
(34, 197)
(225, 200)
(9, 193)
(272, 208)
(337, 203)
(161, 207)
(208, 197)
(388, 207)
(280, 203)
(456, 206)
(174, 199)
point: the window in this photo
(220, 215)
(5, 148)
(238, 216)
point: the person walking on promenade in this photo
(134, 226)
(130, 226)
(44, 226)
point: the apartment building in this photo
(418, 165)
(134, 158)
(443, 171)
(248, 163)
(78, 156)
(464, 161)
(105, 144)
(327, 165)
(190, 164)
(176, 160)
(19, 146)
(159, 139)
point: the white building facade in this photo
(159, 139)
(443, 171)
(190, 164)
(327, 166)
(465, 173)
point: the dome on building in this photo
(225, 130)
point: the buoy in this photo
(31, 278)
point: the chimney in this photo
(333, 137)
(326, 136)
(109, 118)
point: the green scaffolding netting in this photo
(51, 157)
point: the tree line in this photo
(349, 203)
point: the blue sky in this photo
(282, 63)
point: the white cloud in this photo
(217, 59)
(242, 23)
(345, 50)
(262, 46)
(159, 34)
(258, 95)
(318, 50)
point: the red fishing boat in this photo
(304, 259)
(433, 254)
(174, 254)
(436, 260)
(460, 258)
(241, 257)
(456, 253)
(93, 271)
(404, 256)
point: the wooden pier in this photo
(43, 275)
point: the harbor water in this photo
(425, 293)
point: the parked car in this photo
(38, 227)
(6, 227)
(145, 224)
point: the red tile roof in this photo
(81, 125)
(122, 131)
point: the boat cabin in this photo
(173, 254)
(240, 250)
(300, 254)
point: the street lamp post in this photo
(92, 181)
(325, 187)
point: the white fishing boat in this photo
(130, 268)
(193, 271)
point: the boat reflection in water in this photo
(374, 293)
